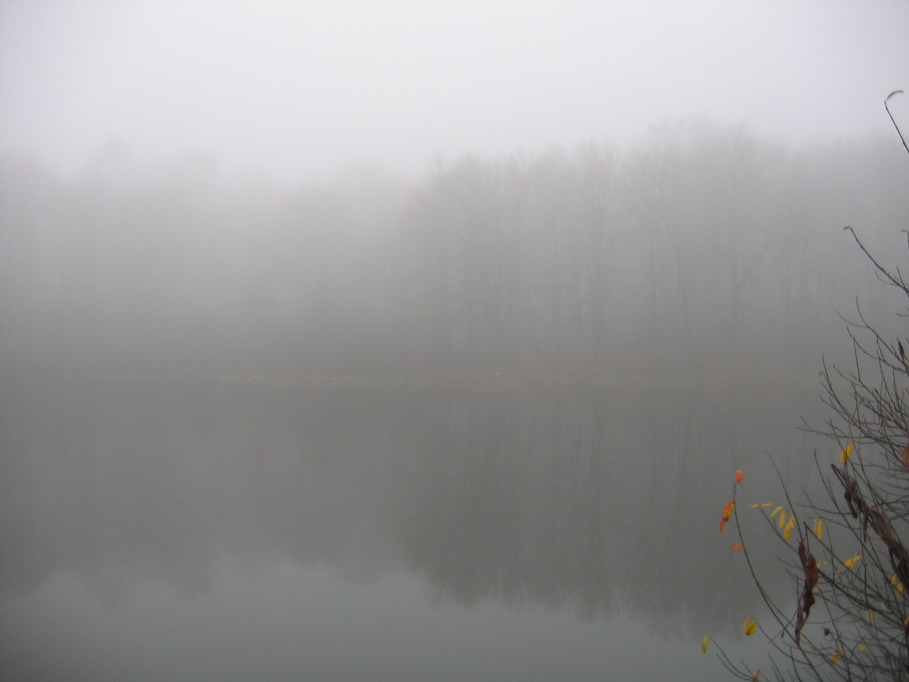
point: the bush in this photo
(848, 617)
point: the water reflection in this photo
(600, 505)
(592, 503)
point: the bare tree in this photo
(846, 551)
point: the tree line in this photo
(700, 246)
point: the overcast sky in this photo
(297, 89)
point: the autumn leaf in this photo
(906, 456)
(704, 643)
(787, 532)
(727, 514)
(756, 675)
(849, 563)
(739, 475)
(818, 528)
(782, 519)
(738, 546)
(750, 626)
(757, 505)
(811, 573)
(847, 451)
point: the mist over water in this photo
(398, 341)
(201, 532)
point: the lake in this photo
(188, 531)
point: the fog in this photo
(419, 340)
(703, 249)
(297, 90)
(381, 188)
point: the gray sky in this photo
(297, 89)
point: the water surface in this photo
(206, 532)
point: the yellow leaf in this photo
(849, 563)
(782, 519)
(847, 451)
(704, 643)
(776, 511)
(758, 505)
(871, 616)
(862, 649)
(787, 533)
(750, 626)
(818, 528)
(834, 657)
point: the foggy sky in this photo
(295, 90)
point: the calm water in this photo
(239, 533)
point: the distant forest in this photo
(700, 247)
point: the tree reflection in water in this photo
(602, 503)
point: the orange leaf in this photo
(736, 545)
(739, 475)
(906, 456)
(727, 513)
(756, 676)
